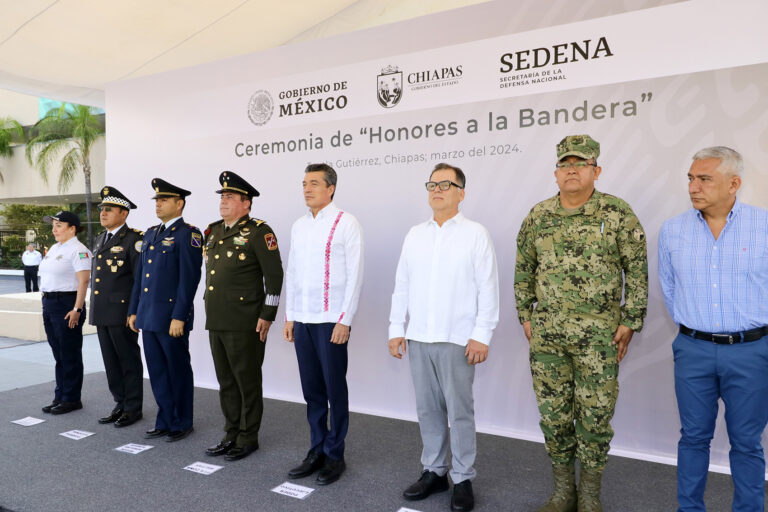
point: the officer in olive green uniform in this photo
(574, 253)
(244, 275)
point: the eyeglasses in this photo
(577, 165)
(443, 185)
(105, 208)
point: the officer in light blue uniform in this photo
(162, 307)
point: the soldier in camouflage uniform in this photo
(574, 252)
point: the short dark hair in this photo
(329, 175)
(461, 180)
(246, 197)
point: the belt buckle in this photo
(729, 337)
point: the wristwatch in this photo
(79, 310)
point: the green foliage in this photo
(10, 131)
(21, 217)
(67, 132)
(13, 244)
(69, 129)
(13, 262)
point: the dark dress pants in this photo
(323, 371)
(66, 345)
(238, 356)
(122, 361)
(30, 278)
(170, 374)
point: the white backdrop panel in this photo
(185, 126)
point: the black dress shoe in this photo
(154, 433)
(220, 449)
(50, 406)
(128, 418)
(430, 482)
(463, 500)
(241, 452)
(111, 417)
(177, 435)
(65, 407)
(312, 463)
(331, 471)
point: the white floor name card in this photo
(28, 421)
(293, 490)
(133, 448)
(203, 468)
(76, 434)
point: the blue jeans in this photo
(738, 374)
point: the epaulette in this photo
(191, 226)
(137, 231)
(214, 223)
(258, 222)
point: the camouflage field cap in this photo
(582, 146)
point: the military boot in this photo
(563, 497)
(589, 490)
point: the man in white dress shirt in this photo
(322, 286)
(447, 284)
(31, 259)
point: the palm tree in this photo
(70, 129)
(10, 131)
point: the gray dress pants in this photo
(443, 381)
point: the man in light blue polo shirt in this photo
(713, 268)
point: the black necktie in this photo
(109, 237)
(226, 229)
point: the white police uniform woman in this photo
(64, 274)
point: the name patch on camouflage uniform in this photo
(271, 241)
(196, 240)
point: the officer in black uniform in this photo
(244, 275)
(115, 257)
(162, 307)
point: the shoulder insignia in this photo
(196, 240)
(271, 241)
(638, 235)
(137, 231)
(137, 246)
(258, 222)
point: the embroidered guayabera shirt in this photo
(325, 267)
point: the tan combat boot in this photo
(563, 498)
(589, 490)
